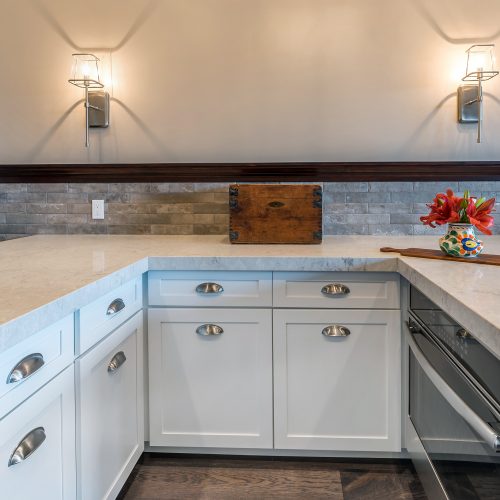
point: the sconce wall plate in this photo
(98, 109)
(468, 105)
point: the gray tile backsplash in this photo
(202, 208)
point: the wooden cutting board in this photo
(275, 213)
(484, 258)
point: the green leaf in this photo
(480, 202)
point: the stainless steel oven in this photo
(453, 424)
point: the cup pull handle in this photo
(26, 367)
(208, 330)
(335, 290)
(336, 331)
(209, 288)
(27, 446)
(116, 361)
(116, 306)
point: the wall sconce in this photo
(480, 67)
(85, 74)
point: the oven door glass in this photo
(467, 463)
(480, 363)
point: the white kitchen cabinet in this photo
(44, 426)
(110, 406)
(210, 390)
(336, 290)
(210, 288)
(337, 393)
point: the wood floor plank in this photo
(164, 477)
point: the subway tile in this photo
(389, 208)
(129, 229)
(171, 229)
(13, 188)
(26, 197)
(345, 187)
(213, 187)
(166, 208)
(13, 229)
(352, 219)
(436, 187)
(371, 197)
(46, 229)
(123, 187)
(384, 187)
(56, 187)
(84, 187)
(172, 197)
(79, 208)
(67, 198)
(329, 198)
(209, 229)
(221, 219)
(476, 186)
(86, 229)
(26, 218)
(405, 218)
(344, 229)
(175, 187)
(345, 208)
(12, 207)
(416, 196)
(46, 208)
(66, 218)
(210, 208)
(391, 229)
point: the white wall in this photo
(246, 80)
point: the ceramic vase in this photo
(460, 241)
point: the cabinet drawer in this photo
(45, 425)
(102, 316)
(210, 390)
(344, 290)
(339, 392)
(210, 288)
(27, 366)
(110, 411)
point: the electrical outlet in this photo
(97, 209)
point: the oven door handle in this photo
(470, 416)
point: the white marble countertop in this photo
(43, 278)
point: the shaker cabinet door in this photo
(210, 378)
(337, 380)
(110, 407)
(37, 444)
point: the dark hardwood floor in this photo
(159, 476)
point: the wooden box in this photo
(275, 213)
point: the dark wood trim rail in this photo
(253, 172)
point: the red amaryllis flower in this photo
(444, 209)
(448, 208)
(478, 214)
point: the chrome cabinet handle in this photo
(209, 329)
(116, 306)
(209, 288)
(336, 331)
(26, 367)
(463, 334)
(482, 428)
(116, 361)
(335, 289)
(27, 446)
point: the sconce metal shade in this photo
(480, 63)
(85, 71)
(480, 67)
